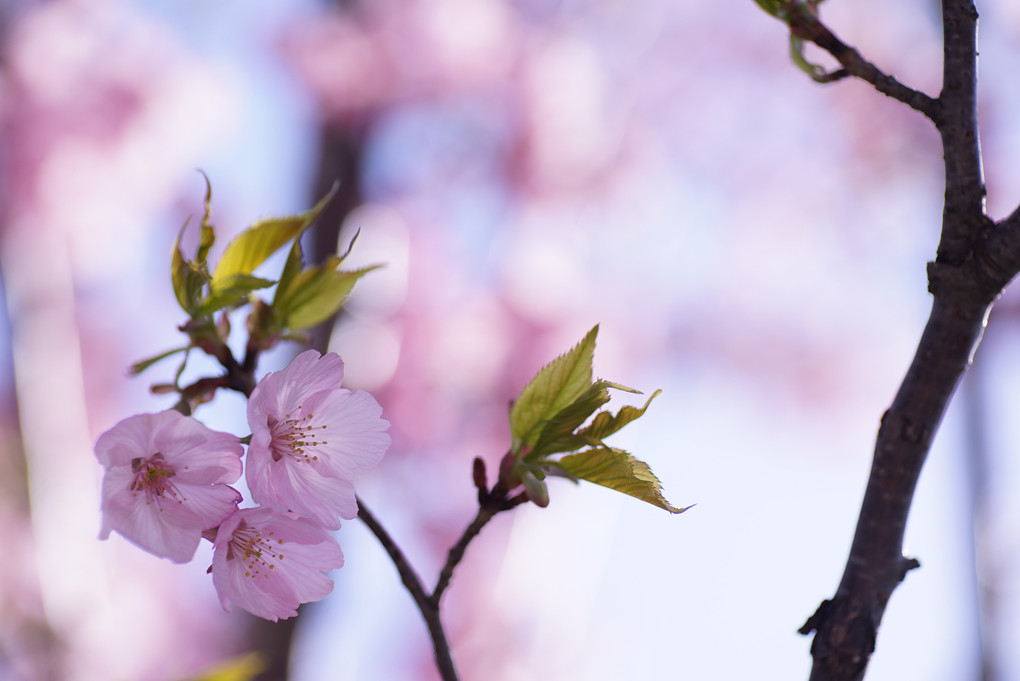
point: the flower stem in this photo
(428, 605)
(457, 551)
(487, 509)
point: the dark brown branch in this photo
(847, 624)
(1001, 252)
(963, 213)
(486, 511)
(975, 260)
(427, 605)
(490, 503)
(807, 27)
(457, 551)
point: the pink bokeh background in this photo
(750, 242)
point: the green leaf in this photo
(801, 13)
(305, 298)
(316, 294)
(142, 365)
(206, 237)
(556, 386)
(786, 10)
(816, 71)
(605, 423)
(557, 434)
(179, 274)
(770, 6)
(231, 291)
(291, 269)
(250, 248)
(188, 277)
(616, 469)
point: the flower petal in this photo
(311, 439)
(280, 392)
(165, 481)
(356, 439)
(268, 562)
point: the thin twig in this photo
(457, 551)
(427, 605)
(808, 27)
(490, 503)
(486, 511)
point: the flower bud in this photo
(536, 489)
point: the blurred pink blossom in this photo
(385, 56)
(311, 439)
(270, 562)
(167, 481)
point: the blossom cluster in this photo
(167, 485)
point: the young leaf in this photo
(291, 269)
(206, 237)
(557, 385)
(316, 293)
(179, 276)
(616, 469)
(605, 424)
(816, 71)
(250, 248)
(232, 291)
(770, 6)
(557, 434)
(188, 278)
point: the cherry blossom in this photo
(311, 439)
(270, 562)
(166, 481)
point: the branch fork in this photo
(490, 502)
(976, 258)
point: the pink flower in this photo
(311, 438)
(167, 481)
(270, 562)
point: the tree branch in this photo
(490, 502)
(427, 605)
(963, 213)
(487, 509)
(975, 260)
(847, 624)
(456, 554)
(808, 27)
